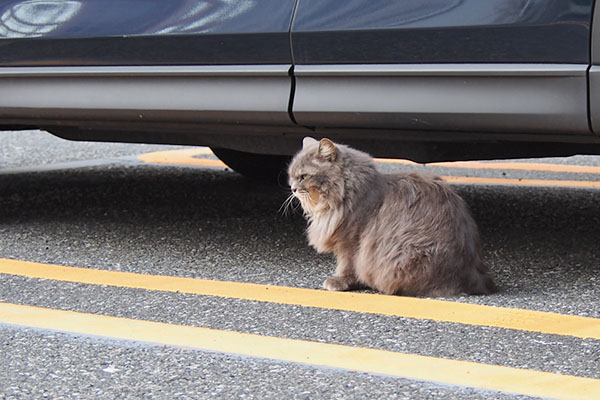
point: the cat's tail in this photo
(481, 281)
(489, 284)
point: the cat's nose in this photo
(294, 188)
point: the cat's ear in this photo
(307, 141)
(327, 150)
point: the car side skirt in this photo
(246, 94)
(534, 98)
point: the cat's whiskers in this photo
(289, 205)
(307, 203)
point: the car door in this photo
(441, 67)
(97, 66)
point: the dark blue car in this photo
(427, 80)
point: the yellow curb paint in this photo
(182, 157)
(409, 307)
(410, 366)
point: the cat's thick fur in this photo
(407, 234)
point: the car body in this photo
(426, 80)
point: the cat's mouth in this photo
(308, 199)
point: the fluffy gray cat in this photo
(406, 234)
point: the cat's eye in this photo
(303, 177)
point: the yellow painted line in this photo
(472, 180)
(410, 366)
(419, 308)
(517, 166)
(187, 157)
(182, 157)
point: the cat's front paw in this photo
(339, 283)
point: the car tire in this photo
(266, 167)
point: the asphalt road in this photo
(98, 207)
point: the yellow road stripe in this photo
(182, 157)
(462, 373)
(436, 310)
(517, 166)
(472, 180)
(187, 157)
